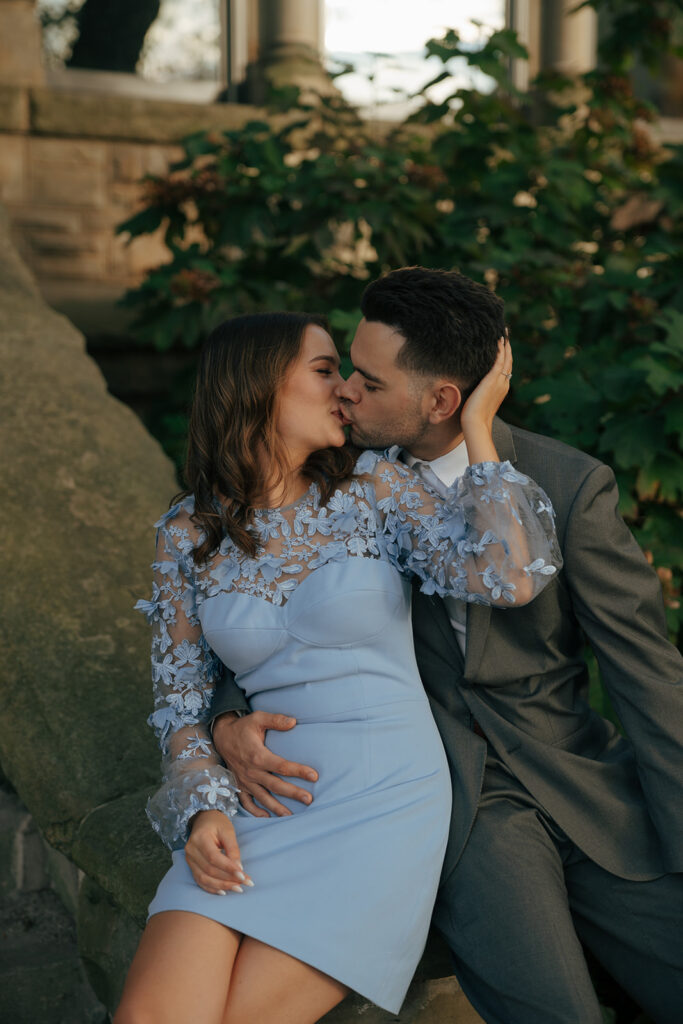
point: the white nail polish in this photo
(240, 865)
(222, 892)
(237, 888)
(248, 881)
(240, 876)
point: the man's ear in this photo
(445, 401)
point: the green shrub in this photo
(559, 199)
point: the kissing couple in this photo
(371, 696)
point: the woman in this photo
(290, 561)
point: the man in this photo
(563, 832)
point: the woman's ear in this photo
(446, 399)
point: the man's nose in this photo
(349, 391)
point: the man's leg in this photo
(505, 914)
(634, 930)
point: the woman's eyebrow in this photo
(334, 360)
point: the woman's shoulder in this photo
(374, 461)
(178, 514)
(176, 530)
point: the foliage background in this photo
(559, 199)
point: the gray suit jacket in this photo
(525, 682)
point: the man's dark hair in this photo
(451, 324)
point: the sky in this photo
(357, 29)
(402, 26)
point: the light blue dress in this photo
(317, 626)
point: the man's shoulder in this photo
(542, 448)
(558, 468)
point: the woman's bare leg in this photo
(271, 987)
(181, 971)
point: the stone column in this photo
(290, 45)
(557, 37)
(21, 47)
(568, 40)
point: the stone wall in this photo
(72, 156)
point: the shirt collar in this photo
(447, 467)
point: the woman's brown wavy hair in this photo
(242, 366)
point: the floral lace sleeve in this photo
(184, 674)
(489, 540)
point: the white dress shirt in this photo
(447, 468)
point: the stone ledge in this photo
(102, 116)
(14, 108)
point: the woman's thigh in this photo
(271, 987)
(180, 972)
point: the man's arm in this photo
(227, 697)
(241, 743)
(618, 602)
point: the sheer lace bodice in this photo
(490, 540)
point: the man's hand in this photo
(241, 744)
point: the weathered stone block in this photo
(117, 848)
(80, 266)
(27, 216)
(69, 152)
(21, 59)
(65, 878)
(75, 691)
(12, 168)
(428, 1002)
(68, 185)
(41, 976)
(107, 940)
(107, 116)
(29, 857)
(14, 109)
(127, 161)
(12, 816)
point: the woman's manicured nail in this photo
(222, 892)
(240, 876)
(237, 888)
(248, 881)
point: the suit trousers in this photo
(523, 898)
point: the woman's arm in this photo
(184, 673)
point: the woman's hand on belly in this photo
(213, 854)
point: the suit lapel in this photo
(479, 615)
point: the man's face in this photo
(384, 404)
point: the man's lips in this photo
(344, 418)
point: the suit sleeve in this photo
(618, 602)
(227, 696)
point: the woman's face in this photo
(308, 409)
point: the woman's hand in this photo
(213, 855)
(482, 405)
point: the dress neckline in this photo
(310, 491)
